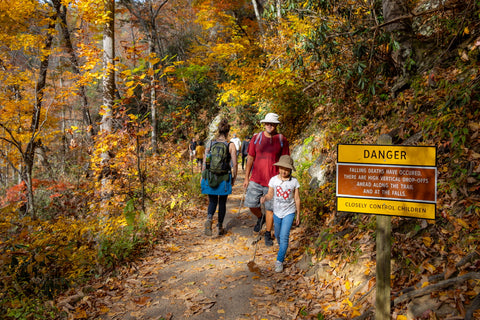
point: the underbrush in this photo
(447, 118)
(72, 240)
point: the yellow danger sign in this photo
(387, 155)
(387, 207)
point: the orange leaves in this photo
(463, 223)
(142, 301)
(91, 11)
(427, 241)
(429, 267)
(48, 253)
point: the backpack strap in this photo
(229, 156)
(212, 142)
(258, 138)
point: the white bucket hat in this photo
(285, 161)
(270, 118)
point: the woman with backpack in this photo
(218, 176)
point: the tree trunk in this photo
(62, 14)
(41, 154)
(256, 8)
(29, 154)
(153, 98)
(108, 68)
(279, 10)
(108, 96)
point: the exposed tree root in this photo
(473, 306)
(436, 286)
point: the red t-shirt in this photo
(266, 151)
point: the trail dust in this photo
(195, 276)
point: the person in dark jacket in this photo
(244, 151)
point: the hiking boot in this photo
(268, 239)
(221, 231)
(278, 266)
(208, 227)
(259, 224)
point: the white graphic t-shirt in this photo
(283, 195)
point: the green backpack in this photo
(219, 158)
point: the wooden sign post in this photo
(389, 181)
(384, 231)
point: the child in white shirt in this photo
(284, 189)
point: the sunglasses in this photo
(271, 124)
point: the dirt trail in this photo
(198, 277)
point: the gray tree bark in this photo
(29, 154)
(108, 67)
(256, 8)
(106, 123)
(279, 9)
(62, 14)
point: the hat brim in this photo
(266, 121)
(285, 165)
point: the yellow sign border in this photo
(387, 207)
(387, 154)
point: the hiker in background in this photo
(244, 151)
(284, 190)
(218, 176)
(199, 154)
(191, 148)
(237, 142)
(264, 150)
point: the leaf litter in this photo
(191, 275)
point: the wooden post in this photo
(384, 231)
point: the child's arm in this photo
(268, 196)
(297, 206)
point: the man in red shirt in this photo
(264, 150)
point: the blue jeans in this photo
(282, 233)
(212, 207)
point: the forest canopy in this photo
(98, 100)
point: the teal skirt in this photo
(224, 187)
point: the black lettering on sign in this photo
(382, 154)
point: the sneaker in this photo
(208, 227)
(268, 239)
(221, 231)
(260, 222)
(278, 266)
